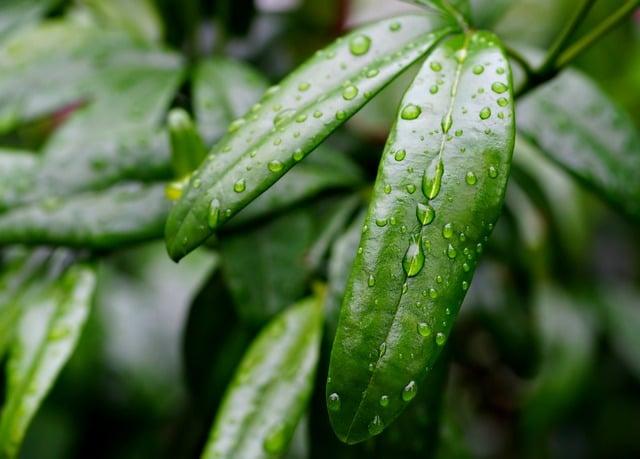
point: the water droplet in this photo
(435, 66)
(459, 133)
(503, 101)
(409, 391)
(359, 45)
(493, 172)
(371, 281)
(276, 440)
(500, 70)
(375, 426)
(272, 90)
(373, 73)
(382, 350)
(433, 293)
(425, 214)
(410, 112)
(447, 231)
(236, 124)
(381, 222)
(395, 26)
(485, 113)
(304, 86)
(275, 165)
(298, 154)
(478, 69)
(424, 330)
(441, 339)
(466, 267)
(387, 189)
(333, 402)
(384, 401)
(239, 186)
(301, 118)
(465, 285)
(434, 89)
(471, 178)
(400, 155)
(499, 88)
(411, 188)
(446, 123)
(214, 213)
(350, 92)
(452, 252)
(432, 180)
(283, 117)
(414, 257)
(341, 115)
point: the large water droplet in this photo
(432, 179)
(414, 257)
(409, 391)
(275, 165)
(349, 92)
(239, 186)
(478, 69)
(424, 329)
(485, 113)
(359, 45)
(400, 155)
(333, 402)
(471, 178)
(425, 214)
(375, 426)
(499, 88)
(214, 213)
(410, 112)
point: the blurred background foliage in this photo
(545, 360)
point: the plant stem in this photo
(602, 29)
(521, 60)
(561, 41)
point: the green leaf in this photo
(266, 267)
(51, 321)
(15, 14)
(446, 6)
(567, 339)
(574, 123)
(328, 169)
(486, 13)
(420, 248)
(123, 85)
(223, 90)
(124, 214)
(187, 148)
(271, 387)
(292, 119)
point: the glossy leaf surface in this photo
(292, 119)
(439, 191)
(574, 123)
(51, 321)
(123, 214)
(271, 387)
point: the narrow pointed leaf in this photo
(124, 214)
(292, 119)
(50, 324)
(223, 90)
(574, 123)
(271, 387)
(453, 138)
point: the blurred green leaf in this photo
(223, 90)
(187, 148)
(292, 119)
(124, 214)
(271, 387)
(574, 123)
(15, 14)
(52, 317)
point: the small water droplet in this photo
(236, 124)
(239, 186)
(433, 293)
(371, 281)
(471, 178)
(275, 165)
(350, 92)
(382, 222)
(414, 257)
(447, 231)
(373, 73)
(400, 155)
(341, 115)
(500, 70)
(425, 214)
(493, 172)
(333, 402)
(478, 69)
(359, 45)
(304, 86)
(435, 66)
(410, 112)
(382, 350)
(446, 123)
(301, 118)
(459, 133)
(395, 26)
(384, 401)
(409, 391)
(499, 88)
(503, 101)
(485, 113)
(452, 252)
(283, 117)
(298, 154)
(465, 285)
(424, 329)
(434, 89)
(441, 339)
(387, 188)
(411, 188)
